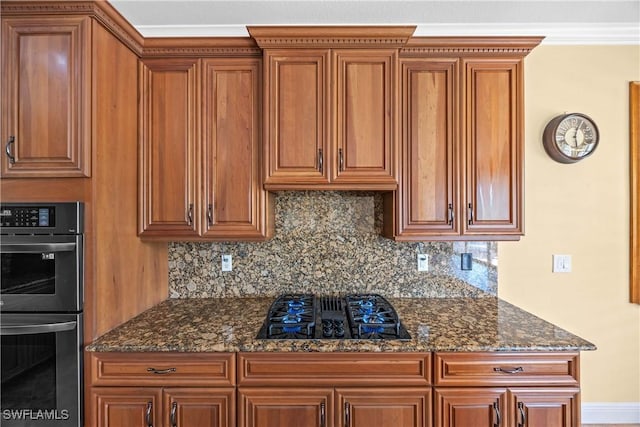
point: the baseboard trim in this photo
(611, 413)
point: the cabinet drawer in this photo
(162, 369)
(261, 369)
(491, 369)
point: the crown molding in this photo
(471, 45)
(331, 36)
(554, 34)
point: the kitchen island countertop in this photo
(435, 324)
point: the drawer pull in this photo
(498, 419)
(323, 415)
(509, 370)
(148, 416)
(161, 371)
(347, 414)
(174, 414)
(523, 416)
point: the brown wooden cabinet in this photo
(141, 389)
(493, 142)
(462, 141)
(506, 389)
(169, 144)
(334, 389)
(331, 106)
(285, 406)
(200, 150)
(46, 87)
(384, 406)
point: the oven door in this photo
(41, 273)
(41, 370)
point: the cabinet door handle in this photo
(190, 214)
(451, 214)
(347, 414)
(210, 214)
(323, 414)
(496, 410)
(7, 149)
(161, 371)
(320, 160)
(509, 370)
(470, 214)
(523, 416)
(148, 415)
(173, 417)
(341, 160)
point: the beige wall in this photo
(581, 210)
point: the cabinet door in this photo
(470, 407)
(545, 407)
(277, 407)
(493, 123)
(365, 117)
(427, 198)
(233, 200)
(296, 117)
(46, 78)
(201, 407)
(383, 407)
(126, 407)
(168, 147)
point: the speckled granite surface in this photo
(330, 241)
(435, 324)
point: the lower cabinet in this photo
(351, 389)
(161, 390)
(328, 407)
(334, 389)
(514, 407)
(506, 389)
(174, 407)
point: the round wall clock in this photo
(570, 137)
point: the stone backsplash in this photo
(328, 242)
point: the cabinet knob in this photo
(7, 149)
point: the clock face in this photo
(570, 137)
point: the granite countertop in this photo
(435, 324)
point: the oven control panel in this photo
(37, 218)
(22, 216)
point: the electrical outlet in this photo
(423, 262)
(561, 264)
(227, 262)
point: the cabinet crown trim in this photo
(520, 46)
(331, 36)
(102, 11)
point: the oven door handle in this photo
(42, 328)
(36, 247)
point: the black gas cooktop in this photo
(354, 316)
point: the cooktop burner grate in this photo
(356, 316)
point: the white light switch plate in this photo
(227, 262)
(561, 264)
(423, 262)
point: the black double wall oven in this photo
(41, 298)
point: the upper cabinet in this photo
(199, 160)
(462, 140)
(46, 87)
(331, 106)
